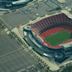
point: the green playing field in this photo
(58, 37)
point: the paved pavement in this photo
(14, 58)
(67, 3)
(30, 12)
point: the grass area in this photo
(58, 37)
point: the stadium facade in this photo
(51, 37)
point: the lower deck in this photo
(54, 37)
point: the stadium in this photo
(51, 37)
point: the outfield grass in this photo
(58, 37)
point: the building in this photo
(51, 37)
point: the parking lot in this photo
(14, 58)
(28, 13)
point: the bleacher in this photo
(49, 22)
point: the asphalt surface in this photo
(14, 58)
(30, 12)
(68, 3)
